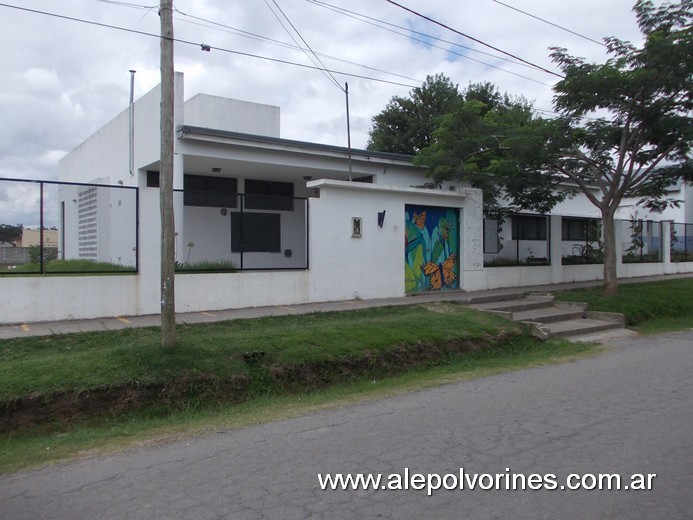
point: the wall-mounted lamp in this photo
(224, 211)
(307, 178)
(381, 218)
(216, 170)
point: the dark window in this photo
(259, 232)
(581, 229)
(152, 179)
(216, 192)
(278, 196)
(529, 228)
(491, 237)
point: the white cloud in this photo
(61, 80)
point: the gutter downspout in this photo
(132, 124)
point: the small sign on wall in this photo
(356, 227)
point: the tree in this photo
(644, 145)
(470, 144)
(625, 129)
(406, 125)
(10, 233)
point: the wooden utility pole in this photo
(168, 307)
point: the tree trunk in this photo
(610, 252)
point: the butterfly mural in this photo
(431, 236)
(441, 275)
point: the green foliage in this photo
(625, 129)
(485, 143)
(10, 233)
(70, 266)
(49, 254)
(646, 93)
(406, 125)
(207, 266)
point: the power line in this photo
(473, 39)
(365, 19)
(202, 45)
(246, 34)
(380, 23)
(550, 23)
(258, 37)
(128, 4)
(314, 56)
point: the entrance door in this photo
(432, 248)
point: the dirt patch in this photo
(442, 307)
(61, 409)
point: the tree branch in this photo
(581, 184)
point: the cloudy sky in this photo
(62, 79)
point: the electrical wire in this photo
(427, 43)
(550, 23)
(202, 45)
(408, 31)
(314, 58)
(245, 34)
(128, 4)
(415, 13)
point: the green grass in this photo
(70, 266)
(207, 266)
(25, 449)
(641, 303)
(75, 362)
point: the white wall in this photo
(105, 155)
(52, 298)
(372, 266)
(232, 115)
(211, 291)
(342, 267)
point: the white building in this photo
(299, 222)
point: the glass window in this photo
(216, 192)
(278, 196)
(529, 227)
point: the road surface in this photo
(627, 412)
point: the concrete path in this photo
(627, 411)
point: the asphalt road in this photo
(625, 412)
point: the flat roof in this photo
(184, 130)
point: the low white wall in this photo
(216, 291)
(523, 276)
(52, 298)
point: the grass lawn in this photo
(652, 306)
(78, 362)
(274, 366)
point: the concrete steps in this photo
(551, 318)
